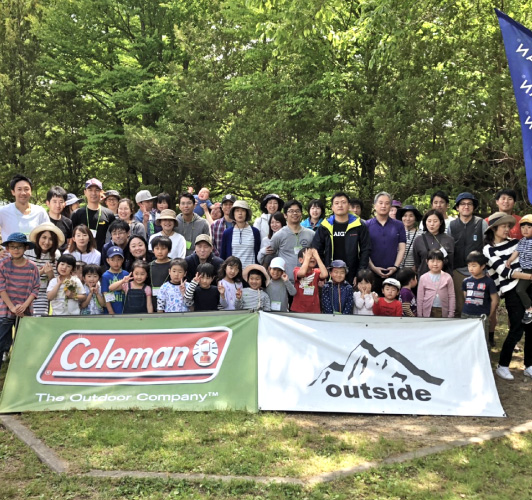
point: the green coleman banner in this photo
(182, 361)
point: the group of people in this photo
(105, 258)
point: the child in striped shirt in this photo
(19, 286)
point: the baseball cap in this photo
(203, 237)
(112, 192)
(278, 263)
(228, 197)
(144, 195)
(526, 219)
(392, 282)
(115, 250)
(338, 264)
(93, 182)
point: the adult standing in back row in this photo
(21, 216)
(468, 233)
(290, 239)
(270, 204)
(190, 225)
(388, 240)
(343, 236)
(97, 218)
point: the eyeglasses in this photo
(465, 205)
(119, 233)
(10, 246)
(294, 212)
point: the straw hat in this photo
(47, 226)
(499, 218)
(256, 267)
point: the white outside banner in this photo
(371, 364)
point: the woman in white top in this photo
(83, 246)
(269, 205)
(265, 255)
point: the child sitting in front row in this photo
(337, 294)
(480, 291)
(171, 297)
(388, 305)
(66, 291)
(138, 294)
(435, 291)
(255, 297)
(280, 286)
(364, 297)
(94, 301)
(408, 279)
(306, 278)
(205, 297)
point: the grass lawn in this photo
(229, 443)
(500, 469)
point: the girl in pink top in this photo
(435, 291)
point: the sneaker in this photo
(527, 318)
(528, 372)
(504, 372)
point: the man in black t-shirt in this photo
(55, 200)
(96, 217)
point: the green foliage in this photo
(255, 96)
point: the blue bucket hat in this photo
(19, 238)
(465, 196)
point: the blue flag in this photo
(518, 46)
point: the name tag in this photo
(189, 244)
(297, 249)
(155, 290)
(276, 306)
(93, 231)
(109, 296)
(308, 290)
(444, 252)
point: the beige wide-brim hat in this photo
(241, 204)
(47, 226)
(256, 267)
(167, 214)
(499, 218)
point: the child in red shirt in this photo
(306, 277)
(389, 305)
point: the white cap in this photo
(278, 263)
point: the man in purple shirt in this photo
(388, 240)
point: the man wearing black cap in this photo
(219, 226)
(468, 233)
(93, 215)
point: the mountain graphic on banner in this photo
(365, 363)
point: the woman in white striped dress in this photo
(47, 238)
(411, 217)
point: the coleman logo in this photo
(132, 357)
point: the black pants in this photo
(516, 311)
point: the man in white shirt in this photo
(21, 216)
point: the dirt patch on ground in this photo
(421, 431)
